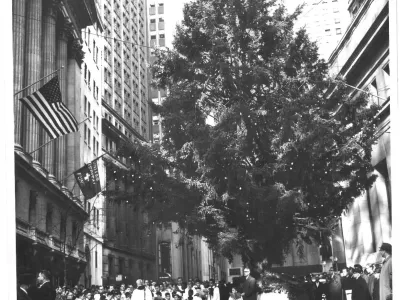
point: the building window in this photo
(153, 41)
(89, 137)
(161, 25)
(94, 147)
(97, 219)
(63, 227)
(88, 110)
(152, 24)
(152, 10)
(338, 31)
(161, 8)
(337, 21)
(85, 71)
(327, 32)
(335, 9)
(95, 259)
(161, 40)
(85, 133)
(74, 232)
(121, 266)
(85, 105)
(110, 266)
(49, 218)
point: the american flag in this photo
(45, 104)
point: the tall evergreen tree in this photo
(288, 151)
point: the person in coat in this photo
(360, 288)
(249, 286)
(385, 278)
(334, 289)
(45, 290)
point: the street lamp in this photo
(335, 263)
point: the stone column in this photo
(33, 71)
(62, 44)
(19, 19)
(49, 66)
(73, 161)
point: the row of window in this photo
(91, 141)
(87, 111)
(328, 31)
(87, 77)
(94, 215)
(152, 9)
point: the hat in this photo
(358, 269)
(386, 247)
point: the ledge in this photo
(26, 167)
(44, 239)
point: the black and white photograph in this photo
(199, 149)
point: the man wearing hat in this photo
(360, 288)
(385, 280)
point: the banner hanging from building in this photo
(88, 179)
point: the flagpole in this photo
(55, 138)
(358, 89)
(62, 67)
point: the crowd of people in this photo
(143, 290)
(373, 282)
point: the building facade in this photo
(362, 59)
(90, 146)
(50, 212)
(129, 244)
(325, 21)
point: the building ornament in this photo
(75, 51)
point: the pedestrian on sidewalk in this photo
(249, 286)
(385, 280)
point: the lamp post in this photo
(335, 263)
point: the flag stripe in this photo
(70, 115)
(46, 106)
(49, 117)
(60, 118)
(50, 114)
(63, 111)
(34, 112)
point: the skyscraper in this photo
(128, 251)
(325, 21)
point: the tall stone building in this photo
(50, 212)
(129, 245)
(362, 59)
(90, 146)
(325, 21)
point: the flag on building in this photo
(46, 106)
(88, 179)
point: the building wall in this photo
(90, 141)
(181, 261)
(325, 22)
(362, 58)
(47, 38)
(128, 247)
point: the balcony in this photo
(152, 10)
(161, 25)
